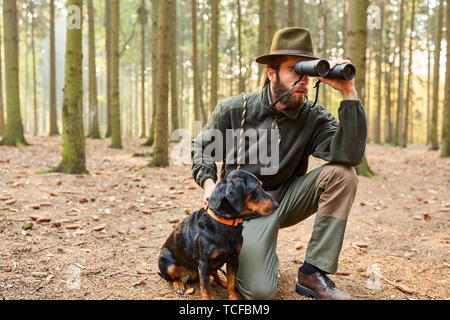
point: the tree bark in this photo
(13, 135)
(173, 66)
(445, 152)
(108, 66)
(116, 136)
(151, 136)
(437, 54)
(357, 39)
(143, 21)
(409, 80)
(161, 150)
(261, 33)
(2, 112)
(399, 121)
(74, 155)
(214, 49)
(94, 130)
(53, 112)
(269, 24)
(195, 66)
(291, 12)
(33, 54)
(241, 78)
(379, 77)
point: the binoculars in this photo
(321, 68)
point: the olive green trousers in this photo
(328, 190)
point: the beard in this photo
(290, 101)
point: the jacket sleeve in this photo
(204, 163)
(344, 142)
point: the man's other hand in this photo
(346, 87)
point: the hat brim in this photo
(265, 59)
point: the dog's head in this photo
(241, 192)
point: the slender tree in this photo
(261, 33)
(94, 130)
(195, 64)
(108, 66)
(400, 98)
(239, 21)
(269, 24)
(445, 152)
(155, 14)
(2, 114)
(74, 142)
(173, 67)
(291, 12)
(53, 113)
(161, 150)
(379, 76)
(357, 39)
(116, 136)
(13, 135)
(33, 54)
(214, 49)
(143, 13)
(437, 56)
(409, 80)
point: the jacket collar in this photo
(267, 101)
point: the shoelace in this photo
(328, 281)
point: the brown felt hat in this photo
(290, 41)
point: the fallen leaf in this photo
(189, 291)
(73, 226)
(144, 211)
(360, 244)
(34, 217)
(100, 227)
(141, 282)
(404, 289)
(27, 226)
(35, 206)
(298, 246)
(44, 220)
(173, 220)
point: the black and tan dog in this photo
(211, 237)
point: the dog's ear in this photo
(235, 194)
(215, 200)
(251, 184)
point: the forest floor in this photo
(106, 228)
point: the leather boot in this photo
(319, 286)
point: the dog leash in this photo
(241, 135)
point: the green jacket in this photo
(303, 132)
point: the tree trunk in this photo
(33, 53)
(116, 137)
(94, 130)
(241, 78)
(143, 21)
(323, 44)
(445, 152)
(437, 55)
(346, 17)
(429, 42)
(161, 150)
(108, 66)
(195, 66)
(2, 112)
(74, 156)
(173, 66)
(291, 12)
(13, 135)
(409, 84)
(357, 39)
(399, 121)
(269, 24)
(379, 77)
(214, 53)
(151, 136)
(53, 113)
(261, 33)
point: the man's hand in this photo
(346, 87)
(208, 187)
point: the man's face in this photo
(282, 81)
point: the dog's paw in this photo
(179, 287)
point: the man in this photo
(304, 130)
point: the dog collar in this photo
(229, 222)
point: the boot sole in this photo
(301, 290)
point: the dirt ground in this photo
(107, 227)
